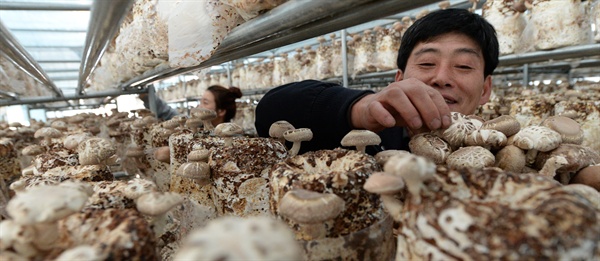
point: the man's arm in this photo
(163, 110)
(322, 107)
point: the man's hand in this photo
(408, 103)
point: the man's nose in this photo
(442, 77)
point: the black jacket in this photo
(325, 109)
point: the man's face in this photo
(453, 64)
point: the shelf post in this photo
(344, 58)
(152, 99)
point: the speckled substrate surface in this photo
(341, 172)
(122, 234)
(241, 175)
(490, 215)
(9, 164)
(375, 242)
(55, 158)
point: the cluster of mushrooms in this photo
(121, 187)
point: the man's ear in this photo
(487, 90)
(399, 76)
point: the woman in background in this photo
(222, 101)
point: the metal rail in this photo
(100, 94)
(25, 6)
(14, 52)
(105, 20)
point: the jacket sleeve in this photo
(322, 107)
(163, 110)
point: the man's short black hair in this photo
(452, 21)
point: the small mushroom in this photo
(95, 151)
(206, 115)
(589, 175)
(227, 130)
(383, 156)
(41, 207)
(157, 204)
(196, 168)
(162, 154)
(489, 139)
(193, 124)
(296, 136)
(278, 128)
(361, 139)
(430, 146)
(470, 157)
(506, 124)
(72, 141)
(414, 170)
(47, 133)
(136, 153)
(386, 185)
(578, 157)
(511, 158)
(461, 126)
(536, 138)
(552, 165)
(59, 125)
(32, 150)
(570, 130)
(310, 210)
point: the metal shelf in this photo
(287, 24)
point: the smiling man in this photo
(445, 64)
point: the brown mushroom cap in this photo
(570, 130)
(278, 128)
(384, 183)
(43, 204)
(461, 126)
(430, 146)
(197, 170)
(162, 154)
(32, 150)
(511, 158)
(228, 129)
(470, 157)
(589, 175)
(95, 151)
(157, 203)
(578, 157)
(383, 156)
(506, 124)
(360, 139)
(295, 135)
(537, 138)
(135, 151)
(198, 155)
(47, 132)
(486, 138)
(307, 207)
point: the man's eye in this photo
(464, 67)
(426, 64)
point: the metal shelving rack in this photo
(293, 21)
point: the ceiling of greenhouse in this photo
(53, 32)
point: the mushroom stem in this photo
(228, 141)
(361, 148)
(208, 125)
(312, 231)
(295, 148)
(551, 165)
(392, 205)
(46, 235)
(530, 156)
